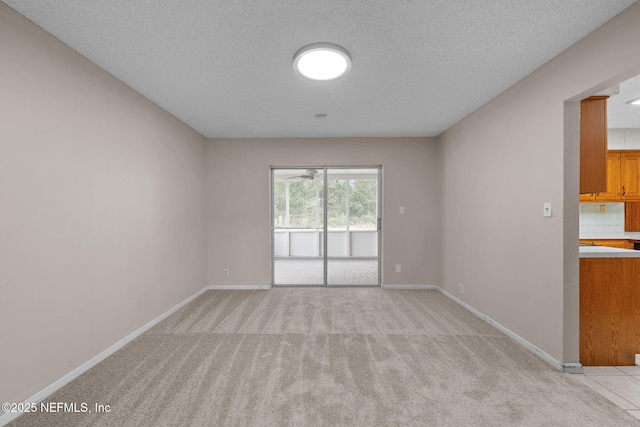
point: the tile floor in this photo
(619, 384)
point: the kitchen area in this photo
(610, 226)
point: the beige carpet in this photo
(328, 357)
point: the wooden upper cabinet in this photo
(630, 176)
(613, 192)
(614, 189)
(623, 179)
(593, 145)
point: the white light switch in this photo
(547, 209)
(401, 209)
(398, 268)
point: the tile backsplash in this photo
(590, 215)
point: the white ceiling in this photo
(225, 67)
(621, 114)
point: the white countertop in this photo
(607, 252)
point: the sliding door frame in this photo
(325, 233)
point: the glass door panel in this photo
(352, 226)
(298, 224)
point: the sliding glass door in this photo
(346, 222)
(298, 225)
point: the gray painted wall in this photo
(101, 209)
(238, 202)
(501, 163)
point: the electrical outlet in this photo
(461, 288)
(603, 209)
(226, 272)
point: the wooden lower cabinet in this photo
(609, 311)
(612, 243)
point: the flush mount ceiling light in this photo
(322, 62)
(634, 102)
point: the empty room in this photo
(296, 213)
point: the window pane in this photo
(337, 204)
(305, 208)
(363, 205)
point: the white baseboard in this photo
(572, 368)
(236, 287)
(61, 382)
(409, 287)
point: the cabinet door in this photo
(593, 145)
(589, 197)
(609, 295)
(632, 216)
(630, 176)
(613, 192)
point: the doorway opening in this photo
(337, 208)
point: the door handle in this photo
(379, 223)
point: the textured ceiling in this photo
(225, 67)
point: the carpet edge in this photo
(571, 368)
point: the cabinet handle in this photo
(623, 191)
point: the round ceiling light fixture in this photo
(322, 62)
